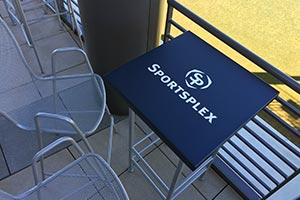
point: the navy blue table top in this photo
(191, 95)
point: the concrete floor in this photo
(47, 38)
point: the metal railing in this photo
(227, 40)
(260, 62)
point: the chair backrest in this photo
(17, 87)
(283, 113)
(14, 70)
(88, 177)
(23, 93)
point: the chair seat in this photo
(86, 177)
(77, 101)
(58, 103)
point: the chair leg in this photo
(175, 179)
(111, 132)
(41, 145)
(45, 7)
(27, 32)
(130, 141)
(8, 9)
(72, 16)
(57, 9)
(87, 144)
(111, 118)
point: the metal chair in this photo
(18, 9)
(87, 177)
(23, 94)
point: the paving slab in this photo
(139, 188)
(288, 191)
(23, 180)
(16, 30)
(42, 29)
(46, 28)
(3, 11)
(48, 37)
(4, 172)
(45, 47)
(120, 156)
(19, 146)
(212, 183)
(209, 186)
(228, 193)
(76, 38)
(14, 186)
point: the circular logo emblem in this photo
(197, 79)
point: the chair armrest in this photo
(54, 79)
(66, 119)
(72, 76)
(69, 49)
(54, 144)
(41, 153)
(63, 118)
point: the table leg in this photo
(175, 179)
(131, 135)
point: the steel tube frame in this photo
(293, 84)
(136, 159)
(284, 78)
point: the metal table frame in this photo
(136, 159)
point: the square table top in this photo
(191, 95)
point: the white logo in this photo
(193, 78)
(197, 79)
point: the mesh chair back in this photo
(14, 71)
(23, 94)
(87, 178)
(15, 76)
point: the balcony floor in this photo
(18, 149)
(47, 39)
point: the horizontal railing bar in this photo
(288, 126)
(170, 36)
(246, 168)
(262, 155)
(143, 139)
(171, 21)
(288, 105)
(247, 181)
(273, 179)
(296, 173)
(293, 84)
(271, 148)
(282, 140)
